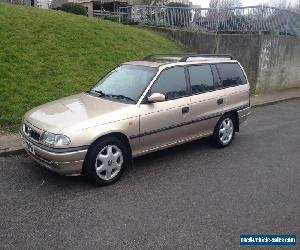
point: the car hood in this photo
(73, 110)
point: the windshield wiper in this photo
(122, 97)
(94, 92)
(101, 93)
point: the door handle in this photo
(220, 101)
(185, 110)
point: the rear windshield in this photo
(231, 74)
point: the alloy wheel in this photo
(226, 131)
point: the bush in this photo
(112, 18)
(129, 21)
(74, 8)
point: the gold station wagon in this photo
(138, 108)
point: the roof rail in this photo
(151, 56)
(184, 56)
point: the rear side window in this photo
(201, 78)
(171, 82)
(231, 74)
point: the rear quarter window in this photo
(231, 74)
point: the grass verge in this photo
(46, 54)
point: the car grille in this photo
(31, 133)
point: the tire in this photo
(106, 161)
(223, 136)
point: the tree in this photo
(213, 4)
(224, 4)
(297, 6)
(283, 4)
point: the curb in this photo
(12, 151)
(274, 102)
(20, 150)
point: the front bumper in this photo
(67, 161)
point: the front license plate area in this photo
(29, 146)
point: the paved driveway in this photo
(188, 197)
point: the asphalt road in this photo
(189, 197)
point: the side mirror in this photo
(156, 97)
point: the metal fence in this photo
(104, 13)
(21, 2)
(231, 20)
(44, 4)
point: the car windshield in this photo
(126, 82)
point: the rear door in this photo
(164, 123)
(207, 103)
(234, 85)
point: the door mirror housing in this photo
(156, 97)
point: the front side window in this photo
(171, 82)
(231, 74)
(125, 82)
(201, 78)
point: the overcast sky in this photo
(205, 3)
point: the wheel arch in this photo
(122, 137)
(88, 169)
(235, 115)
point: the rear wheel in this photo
(224, 131)
(106, 160)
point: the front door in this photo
(164, 123)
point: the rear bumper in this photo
(244, 114)
(62, 162)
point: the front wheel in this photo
(106, 160)
(224, 131)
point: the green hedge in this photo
(112, 18)
(74, 8)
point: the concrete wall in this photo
(270, 61)
(279, 63)
(246, 49)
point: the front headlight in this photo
(55, 140)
